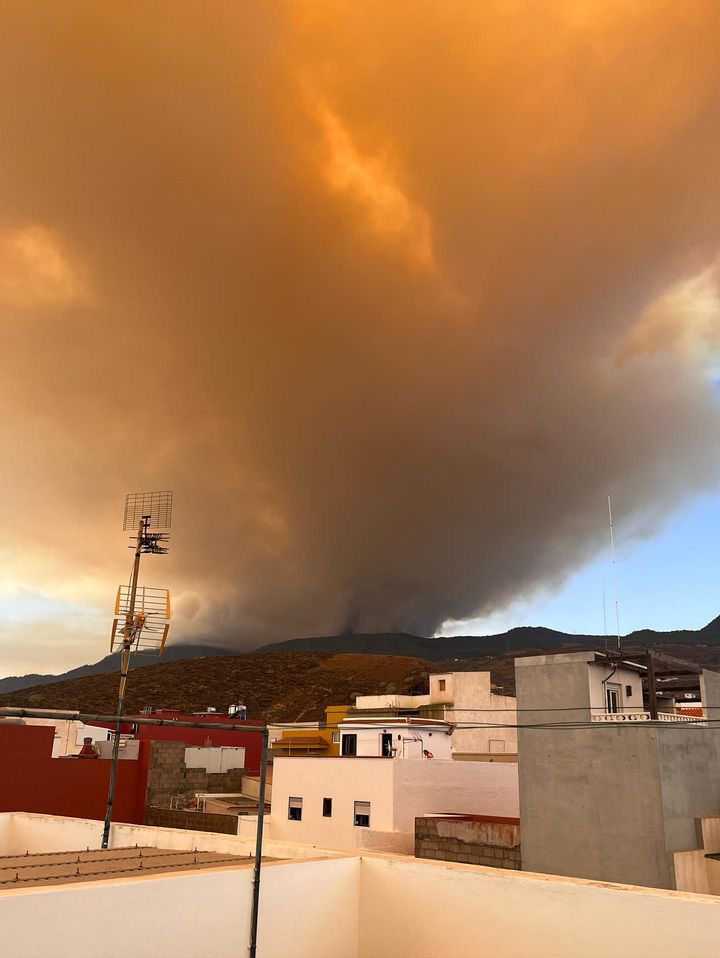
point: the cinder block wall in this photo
(168, 776)
(195, 821)
(467, 841)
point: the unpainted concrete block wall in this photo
(195, 821)
(168, 776)
(462, 841)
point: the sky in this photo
(391, 303)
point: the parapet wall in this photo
(469, 839)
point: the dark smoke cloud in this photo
(391, 295)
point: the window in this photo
(295, 809)
(441, 685)
(612, 699)
(336, 738)
(349, 745)
(362, 814)
(387, 749)
(327, 808)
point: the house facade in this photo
(484, 720)
(370, 798)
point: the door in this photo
(612, 699)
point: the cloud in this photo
(369, 290)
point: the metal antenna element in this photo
(604, 613)
(142, 614)
(614, 569)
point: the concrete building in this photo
(463, 699)
(372, 802)
(609, 792)
(190, 896)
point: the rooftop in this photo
(202, 910)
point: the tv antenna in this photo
(142, 614)
(614, 572)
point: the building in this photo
(390, 773)
(68, 734)
(154, 779)
(405, 738)
(310, 738)
(464, 699)
(165, 893)
(612, 788)
(247, 737)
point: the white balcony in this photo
(645, 717)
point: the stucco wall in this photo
(345, 781)
(203, 914)
(600, 675)
(481, 788)
(432, 910)
(611, 802)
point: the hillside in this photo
(280, 686)
(439, 650)
(110, 663)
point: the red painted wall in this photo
(33, 781)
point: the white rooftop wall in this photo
(391, 701)
(215, 759)
(358, 907)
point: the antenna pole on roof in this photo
(604, 613)
(614, 568)
(140, 620)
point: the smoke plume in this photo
(392, 295)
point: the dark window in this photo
(295, 809)
(327, 808)
(349, 745)
(387, 745)
(441, 685)
(362, 814)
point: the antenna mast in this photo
(614, 569)
(142, 614)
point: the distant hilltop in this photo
(464, 647)
(522, 639)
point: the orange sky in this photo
(391, 298)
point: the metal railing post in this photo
(258, 845)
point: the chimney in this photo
(88, 750)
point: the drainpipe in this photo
(258, 844)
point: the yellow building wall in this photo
(334, 714)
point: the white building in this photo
(391, 772)
(407, 738)
(464, 699)
(318, 905)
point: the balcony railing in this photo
(645, 717)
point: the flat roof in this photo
(63, 868)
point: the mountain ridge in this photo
(404, 644)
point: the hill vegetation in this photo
(280, 686)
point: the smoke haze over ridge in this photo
(391, 295)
